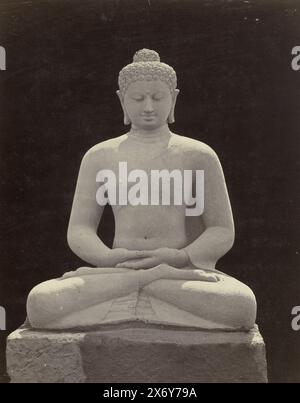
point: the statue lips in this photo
(148, 117)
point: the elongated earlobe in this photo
(171, 117)
(127, 121)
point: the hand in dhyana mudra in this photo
(168, 261)
(147, 259)
(161, 263)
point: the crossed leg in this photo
(226, 302)
(64, 302)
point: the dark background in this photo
(238, 94)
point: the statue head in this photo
(147, 91)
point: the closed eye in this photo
(137, 97)
(158, 96)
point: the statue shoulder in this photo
(103, 150)
(195, 149)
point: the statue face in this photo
(148, 104)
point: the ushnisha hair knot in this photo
(146, 65)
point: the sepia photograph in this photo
(150, 193)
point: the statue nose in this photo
(148, 106)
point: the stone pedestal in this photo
(136, 353)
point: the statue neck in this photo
(150, 136)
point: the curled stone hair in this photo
(146, 65)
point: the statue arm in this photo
(218, 236)
(86, 214)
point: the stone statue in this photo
(161, 268)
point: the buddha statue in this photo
(161, 268)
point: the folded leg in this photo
(55, 299)
(227, 302)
